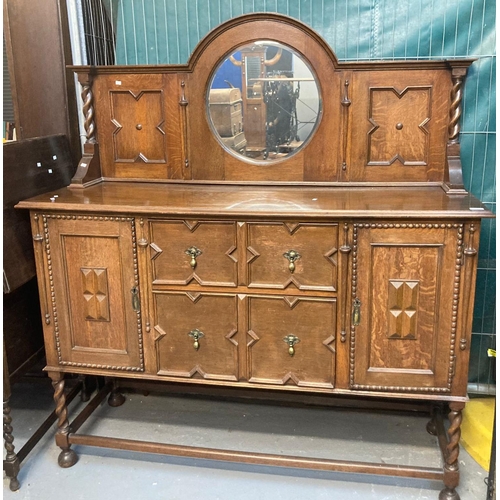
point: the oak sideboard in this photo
(265, 217)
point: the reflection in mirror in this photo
(263, 102)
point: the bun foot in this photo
(67, 458)
(116, 399)
(14, 484)
(449, 494)
(431, 427)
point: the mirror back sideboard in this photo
(343, 263)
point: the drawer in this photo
(210, 320)
(302, 255)
(307, 357)
(212, 261)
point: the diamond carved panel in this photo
(403, 307)
(95, 293)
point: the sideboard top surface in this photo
(225, 200)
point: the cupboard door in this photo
(407, 278)
(184, 252)
(291, 341)
(93, 270)
(195, 335)
(302, 256)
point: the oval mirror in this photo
(263, 102)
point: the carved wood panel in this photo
(402, 309)
(398, 134)
(404, 277)
(398, 126)
(180, 318)
(273, 318)
(184, 252)
(95, 293)
(269, 262)
(139, 121)
(92, 266)
(138, 126)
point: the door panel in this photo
(404, 279)
(92, 265)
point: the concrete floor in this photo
(317, 432)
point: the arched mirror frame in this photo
(319, 159)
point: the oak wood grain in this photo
(216, 264)
(264, 202)
(405, 282)
(258, 458)
(215, 316)
(90, 268)
(138, 126)
(272, 318)
(316, 245)
(399, 125)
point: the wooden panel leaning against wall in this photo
(301, 263)
(43, 88)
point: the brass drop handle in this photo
(291, 340)
(196, 335)
(193, 252)
(292, 256)
(135, 299)
(356, 312)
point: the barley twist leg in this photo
(451, 469)
(67, 457)
(11, 462)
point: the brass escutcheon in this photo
(291, 340)
(193, 252)
(196, 335)
(292, 256)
